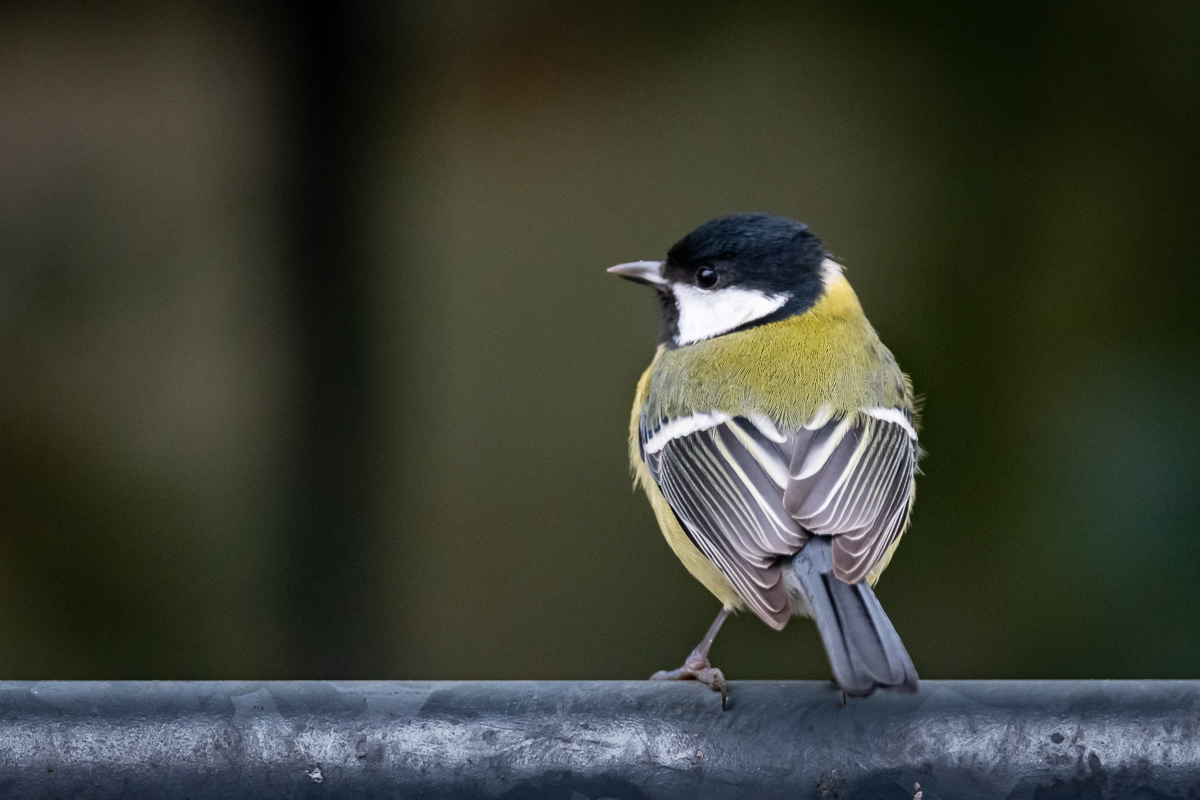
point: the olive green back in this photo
(788, 370)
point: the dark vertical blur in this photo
(339, 64)
(309, 365)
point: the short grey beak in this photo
(641, 272)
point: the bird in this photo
(776, 439)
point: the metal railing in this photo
(599, 739)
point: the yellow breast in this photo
(696, 562)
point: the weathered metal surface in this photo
(589, 740)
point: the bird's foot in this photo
(696, 669)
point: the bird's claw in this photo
(696, 670)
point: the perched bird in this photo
(776, 439)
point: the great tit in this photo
(776, 439)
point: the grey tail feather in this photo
(863, 648)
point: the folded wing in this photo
(748, 494)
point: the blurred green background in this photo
(309, 366)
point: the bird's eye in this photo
(706, 277)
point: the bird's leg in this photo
(697, 668)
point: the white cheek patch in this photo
(705, 314)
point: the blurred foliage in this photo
(1012, 188)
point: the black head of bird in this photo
(731, 272)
